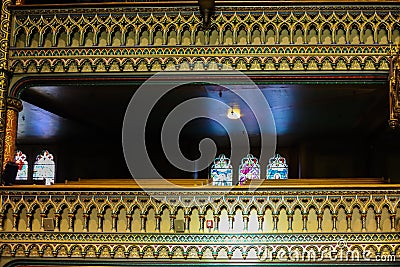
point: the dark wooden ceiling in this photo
(336, 117)
(58, 112)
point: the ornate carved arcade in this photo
(143, 39)
(310, 219)
(251, 226)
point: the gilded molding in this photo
(313, 58)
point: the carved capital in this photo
(14, 104)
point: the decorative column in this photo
(348, 219)
(187, 221)
(14, 106)
(42, 217)
(206, 37)
(305, 219)
(216, 222)
(158, 222)
(172, 223)
(85, 222)
(1, 221)
(99, 222)
(275, 218)
(260, 222)
(201, 219)
(393, 221)
(29, 221)
(245, 223)
(334, 221)
(290, 221)
(394, 89)
(5, 18)
(231, 219)
(128, 222)
(378, 221)
(15, 220)
(71, 217)
(363, 221)
(319, 219)
(114, 218)
(143, 218)
(57, 222)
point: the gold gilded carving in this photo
(248, 39)
(4, 76)
(394, 89)
(134, 252)
(90, 252)
(10, 136)
(14, 106)
(257, 244)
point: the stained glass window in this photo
(277, 168)
(44, 168)
(249, 169)
(221, 171)
(20, 159)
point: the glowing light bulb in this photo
(233, 113)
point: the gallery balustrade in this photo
(40, 220)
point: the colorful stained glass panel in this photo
(221, 171)
(44, 168)
(277, 168)
(249, 169)
(20, 159)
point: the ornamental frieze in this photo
(155, 39)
